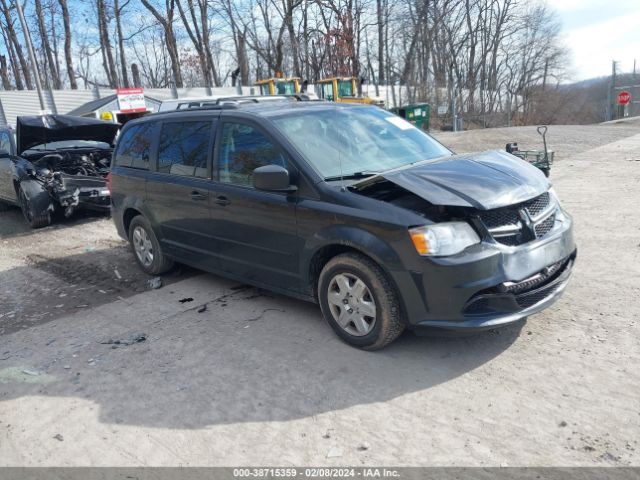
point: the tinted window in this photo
(5, 142)
(134, 147)
(242, 150)
(184, 148)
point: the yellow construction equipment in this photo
(344, 89)
(279, 86)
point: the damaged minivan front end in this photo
(62, 165)
(493, 243)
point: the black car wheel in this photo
(35, 220)
(359, 302)
(146, 248)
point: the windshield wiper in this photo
(351, 176)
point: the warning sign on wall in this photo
(131, 100)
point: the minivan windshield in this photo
(356, 141)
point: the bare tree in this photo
(14, 45)
(50, 63)
(67, 44)
(166, 21)
(117, 13)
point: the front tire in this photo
(359, 302)
(35, 220)
(146, 248)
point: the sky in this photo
(599, 31)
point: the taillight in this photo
(109, 182)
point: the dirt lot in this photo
(96, 369)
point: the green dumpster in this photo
(417, 113)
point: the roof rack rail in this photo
(226, 105)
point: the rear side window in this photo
(134, 147)
(184, 148)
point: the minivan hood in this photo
(480, 180)
(38, 130)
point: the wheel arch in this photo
(127, 216)
(345, 239)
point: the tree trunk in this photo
(381, 23)
(46, 46)
(135, 73)
(15, 68)
(67, 44)
(117, 10)
(13, 40)
(105, 43)
(4, 73)
(166, 21)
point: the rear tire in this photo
(34, 220)
(146, 248)
(359, 302)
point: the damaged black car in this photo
(56, 164)
(348, 206)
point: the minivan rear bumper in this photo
(488, 285)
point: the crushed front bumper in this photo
(492, 308)
(488, 285)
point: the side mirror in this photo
(272, 178)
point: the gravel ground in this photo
(564, 140)
(73, 264)
(228, 375)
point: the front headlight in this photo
(443, 238)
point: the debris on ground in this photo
(124, 342)
(562, 424)
(334, 452)
(117, 274)
(185, 300)
(363, 446)
(58, 437)
(154, 283)
(202, 308)
(254, 319)
(31, 372)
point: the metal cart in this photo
(537, 158)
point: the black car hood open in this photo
(38, 130)
(480, 180)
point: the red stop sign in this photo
(624, 98)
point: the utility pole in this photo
(32, 56)
(454, 112)
(610, 94)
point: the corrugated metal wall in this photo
(25, 102)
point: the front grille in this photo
(537, 205)
(526, 300)
(500, 217)
(545, 226)
(514, 225)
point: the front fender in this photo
(354, 237)
(38, 197)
